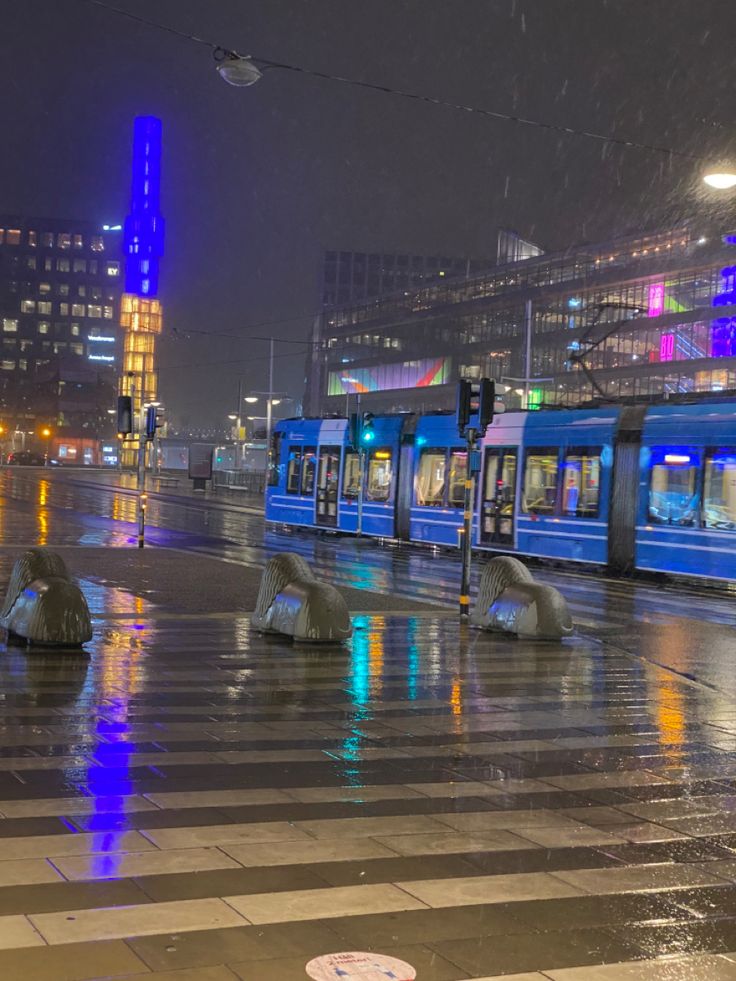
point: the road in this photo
(191, 800)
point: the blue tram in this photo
(627, 487)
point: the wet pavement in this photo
(190, 800)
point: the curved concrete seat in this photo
(292, 602)
(509, 600)
(43, 606)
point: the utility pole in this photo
(269, 402)
(467, 542)
(142, 496)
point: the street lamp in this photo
(721, 180)
(46, 433)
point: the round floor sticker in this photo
(358, 966)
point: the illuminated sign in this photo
(655, 306)
(107, 340)
(112, 228)
(676, 458)
(666, 347)
(423, 373)
(100, 357)
(143, 235)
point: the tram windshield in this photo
(674, 496)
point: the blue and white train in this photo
(626, 487)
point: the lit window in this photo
(63, 289)
(540, 482)
(581, 483)
(47, 240)
(48, 263)
(10, 342)
(430, 480)
(43, 327)
(33, 238)
(12, 237)
(44, 287)
(23, 364)
(98, 244)
(77, 348)
(94, 311)
(75, 330)
(10, 326)
(64, 309)
(309, 464)
(59, 346)
(378, 485)
(79, 265)
(107, 313)
(78, 242)
(44, 306)
(63, 240)
(63, 265)
(77, 309)
(351, 475)
(674, 497)
(719, 497)
(27, 306)
(31, 261)
(2, 235)
(293, 470)
(113, 269)
(81, 290)
(8, 365)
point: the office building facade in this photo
(59, 304)
(641, 316)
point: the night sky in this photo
(258, 182)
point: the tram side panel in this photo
(686, 521)
(440, 460)
(292, 477)
(565, 484)
(381, 480)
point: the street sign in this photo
(359, 966)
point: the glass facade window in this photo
(674, 493)
(10, 325)
(44, 287)
(540, 481)
(63, 289)
(63, 309)
(12, 237)
(309, 467)
(94, 311)
(32, 238)
(719, 492)
(430, 479)
(31, 261)
(380, 471)
(78, 310)
(47, 240)
(45, 307)
(77, 348)
(74, 330)
(63, 241)
(78, 242)
(293, 470)
(581, 483)
(456, 483)
(8, 365)
(43, 327)
(79, 266)
(63, 265)
(351, 475)
(27, 306)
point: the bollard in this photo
(509, 600)
(43, 606)
(292, 602)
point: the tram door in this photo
(498, 496)
(328, 475)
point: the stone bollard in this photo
(509, 600)
(292, 602)
(43, 606)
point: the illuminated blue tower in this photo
(143, 235)
(143, 245)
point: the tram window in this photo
(540, 481)
(293, 470)
(430, 483)
(581, 483)
(309, 467)
(351, 475)
(458, 472)
(500, 488)
(674, 497)
(274, 459)
(719, 495)
(378, 487)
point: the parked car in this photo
(25, 458)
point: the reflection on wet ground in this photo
(189, 796)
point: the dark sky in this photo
(257, 182)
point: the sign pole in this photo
(467, 525)
(142, 497)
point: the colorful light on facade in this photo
(666, 347)
(723, 329)
(655, 304)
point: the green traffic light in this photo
(368, 437)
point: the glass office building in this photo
(645, 315)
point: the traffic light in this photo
(125, 415)
(462, 411)
(153, 421)
(367, 434)
(354, 431)
(486, 404)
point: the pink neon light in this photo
(656, 300)
(667, 347)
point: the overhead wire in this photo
(519, 120)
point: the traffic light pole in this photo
(142, 497)
(467, 525)
(361, 473)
